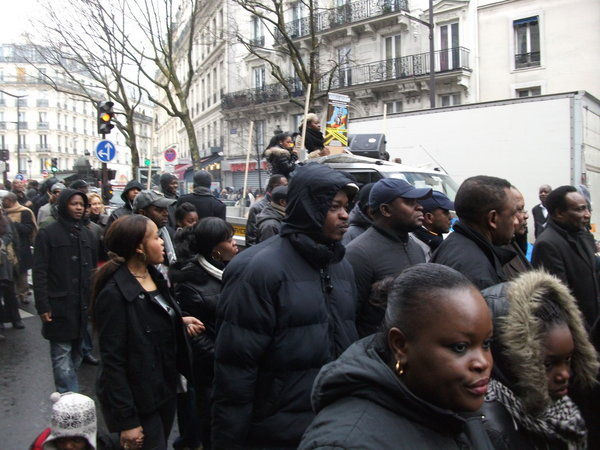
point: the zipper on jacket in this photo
(327, 287)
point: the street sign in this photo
(170, 154)
(19, 177)
(105, 151)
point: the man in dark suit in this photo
(540, 213)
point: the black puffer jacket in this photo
(361, 404)
(198, 293)
(359, 223)
(519, 362)
(286, 309)
(268, 222)
(126, 209)
(255, 210)
(282, 161)
(467, 251)
(64, 257)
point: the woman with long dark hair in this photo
(142, 336)
(198, 289)
(281, 155)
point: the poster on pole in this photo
(336, 126)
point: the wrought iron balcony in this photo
(523, 60)
(342, 15)
(23, 125)
(447, 60)
(258, 41)
(21, 102)
(42, 125)
(397, 68)
(2, 125)
(266, 94)
(43, 148)
(2, 102)
(42, 103)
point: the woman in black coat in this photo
(198, 289)
(280, 154)
(141, 335)
(417, 384)
(9, 248)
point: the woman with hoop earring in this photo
(142, 336)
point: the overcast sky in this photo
(15, 18)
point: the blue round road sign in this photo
(106, 151)
(19, 177)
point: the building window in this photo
(527, 42)
(259, 75)
(394, 107)
(450, 99)
(258, 35)
(43, 141)
(450, 47)
(529, 92)
(392, 56)
(344, 69)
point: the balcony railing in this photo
(42, 103)
(523, 60)
(23, 125)
(42, 125)
(258, 41)
(342, 15)
(22, 147)
(43, 148)
(2, 102)
(21, 102)
(268, 93)
(2, 125)
(389, 69)
(397, 68)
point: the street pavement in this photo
(26, 383)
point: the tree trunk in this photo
(192, 140)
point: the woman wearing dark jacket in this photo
(197, 289)
(141, 335)
(541, 352)
(280, 154)
(9, 248)
(416, 385)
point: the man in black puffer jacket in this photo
(207, 205)
(287, 308)
(132, 189)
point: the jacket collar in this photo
(498, 256)
(317, 255)
(398, 237)
(201, 190)
(576, 240)
(129, 286)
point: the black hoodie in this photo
(361, 404)
(126, 209)
(287, 308)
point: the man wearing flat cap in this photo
(155, 206)
(436, 222)
(386, 248)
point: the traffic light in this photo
(105, 116)
(54, 165)
(4, 155)
(107, 193)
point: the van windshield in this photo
(437, 182)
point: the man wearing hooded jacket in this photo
(64, 257)
(132, 189)
(287, 308)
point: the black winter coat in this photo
(375, 255)
(287, 308)
(142, 350)
(361, 404)
(198, 294)
(255, 210)
(126, 209)
(570, 256)
(207, 205)
(268, 222)
(65, 255)
(539, 220)
(467, 251)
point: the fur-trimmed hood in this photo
(276, 151)
(518, 355)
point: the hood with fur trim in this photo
(276, 151)
(519, 360)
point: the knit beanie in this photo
(72, 415)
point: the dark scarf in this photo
(316, 254)
(314, 140)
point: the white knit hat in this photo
(72, 415)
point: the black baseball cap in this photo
(388, 189)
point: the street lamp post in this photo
(18, 97)
(431, 27)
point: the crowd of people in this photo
(356, 317)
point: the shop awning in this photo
(212, 159)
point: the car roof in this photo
(341, 161)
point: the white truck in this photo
(550, 139)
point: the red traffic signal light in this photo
(105, 116)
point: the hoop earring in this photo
(399, 369)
